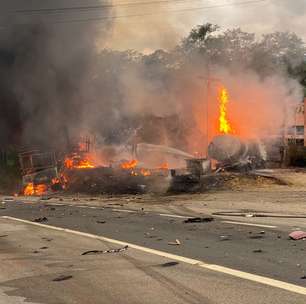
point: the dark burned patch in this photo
(199, 220)
(62, 278)
(169, 264)
(256, 237)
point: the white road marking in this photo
(236, 273)
(248, 224)
(124, 210)
(174, 215)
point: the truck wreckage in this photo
(157, 168)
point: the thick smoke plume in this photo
(45, 66)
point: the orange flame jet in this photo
(224, 125)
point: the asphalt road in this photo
(141, 275)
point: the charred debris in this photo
(137, 167)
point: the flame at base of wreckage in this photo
(78, 172)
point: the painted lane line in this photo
(236, 273)
(248, 224)
(124, 210)
(174, 215)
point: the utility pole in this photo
(207, 116)
(209, 80)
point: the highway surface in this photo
(227, 260)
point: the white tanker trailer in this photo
(231, 151)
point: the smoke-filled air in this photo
(59, 80)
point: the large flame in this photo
(32, 189)
(224, 125)
(78, 162)
(129, 164)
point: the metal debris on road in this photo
(303, 277)
(177, 242)
(100, 222)
(297, 235)
(62, 278)
(224, 238)
(40, 219)
(47, 239)
(169, 264)
(3, 235)
(199, 220)
(257, 251)
(92, 252)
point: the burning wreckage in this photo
(139, 167)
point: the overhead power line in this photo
(101, 6)
(241, 3)
(167, 11)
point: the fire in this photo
(40, 189)
(129, 164)
(32, 189)
(164, 166)
(224, 125)
(77, 162)
(145, 172)
(29, 189)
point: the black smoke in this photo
(45, 64)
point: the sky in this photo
(156, 25)
(165, 30)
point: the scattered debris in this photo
(297, 235)
(262, 232)
(256, 237)
(47, 239)
(224, 237)
(150, 236)
(45, 247)
(8, 199)
(100, 222)
(177, 242)
(62, 278)
(92, 252)
(257, 251)
(3, 235)
(199, 220)
(170, 264)
(303, 277)
(41, 220)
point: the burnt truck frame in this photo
(38, 167)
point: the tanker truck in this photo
(233, 152)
